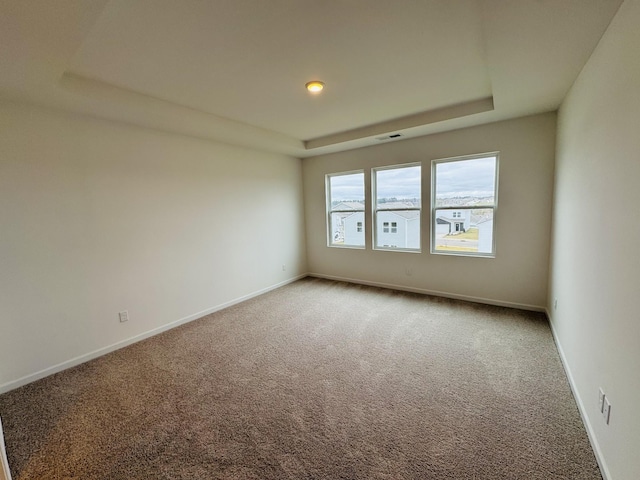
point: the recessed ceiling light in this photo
(315, 86)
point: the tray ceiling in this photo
(235, 71)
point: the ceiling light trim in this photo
(315, 86)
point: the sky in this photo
(474, 177)
(347, 187)
(401, 183)
(398, 182)
(466, 178)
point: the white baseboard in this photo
(5, 387)
(435, 293)
(581, 406)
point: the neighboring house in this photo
(485, 235)
(339, 233)
(354, 228)
(400, 229)
(455, 221)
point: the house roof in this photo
(349, 206)
(443, 220)
(396, 205)
(235, 71)
(406, 214)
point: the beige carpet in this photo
(315, 380)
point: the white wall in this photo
(595, 269)
(518, 275)
(99, 217)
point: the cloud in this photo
(459, 178)
(347, 187)
(473, 177)
(400, 183)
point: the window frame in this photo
(330, 210)
(375, 209)
(493, 207)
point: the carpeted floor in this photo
(315, 380)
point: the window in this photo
(464, 198)
(394, 227)
(396, 208)
(345, 209)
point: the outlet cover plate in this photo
(600, 400)
(606, 411)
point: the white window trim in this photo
(374, 208)
(458, 207)
(329, 210)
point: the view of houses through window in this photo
(463, 201)
(397, 207)
(345, 199)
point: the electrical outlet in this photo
(408, 272)
(555, 304)
(284, 267)
(606, 410)
(124, 316)
(600, 400)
